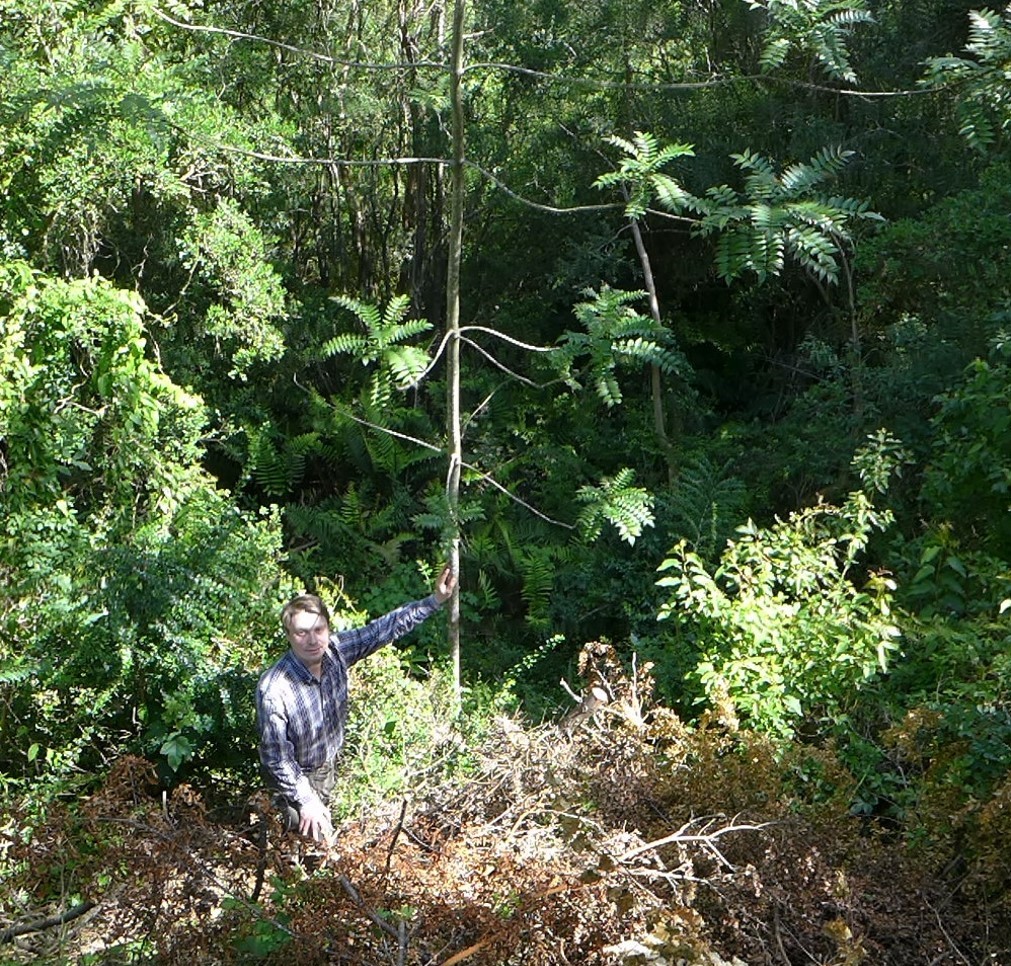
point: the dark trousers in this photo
(322, 780)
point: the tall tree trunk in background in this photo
(454, 427)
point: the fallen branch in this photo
(681, 837)
(74, 912)
(377, 919)
(396, 834)
(467, 953)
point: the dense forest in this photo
(681, 330)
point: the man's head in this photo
(306, 622)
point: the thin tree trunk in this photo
(453, 329)
(656, 384)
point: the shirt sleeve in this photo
(277, 753)
(362, 641)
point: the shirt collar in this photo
(297, 669)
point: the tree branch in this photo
(680, 836)
(291, 48)
(473, 469)
(74, 912)
(500, 365)
(590, 83)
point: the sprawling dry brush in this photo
(615, 836)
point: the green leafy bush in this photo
(969, 479)
(137, 598)
(785, 635)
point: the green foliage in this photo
(401, 733)
(778, 215)
(641, 175)
(916, 268)
(781, 215)
(617, 501)
(880, 461)
(135, 592)
(705, 504)
(397, 366)
(616, 335)
(816, 28)
(969, 479)
(785, 634)
(86, 416)
(278, 463)
(980, 79)
(225, 251)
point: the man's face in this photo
(308, 635)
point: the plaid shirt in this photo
(302, 719)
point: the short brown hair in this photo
(309, 603)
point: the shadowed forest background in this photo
(683, 327)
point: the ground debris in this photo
(618, 838)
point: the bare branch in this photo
(74, 912)
(291, 48)
(473, 469)
(550, 209)
(506, 338)
(681, 836)
(499, 365)
(371, 913)
(592, 83)
(516, 499)
(589, 83)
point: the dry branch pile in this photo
(617, 836)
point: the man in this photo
(301, 702)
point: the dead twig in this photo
(39, 925)
(374, 916)
(681, 837)
(396, 834)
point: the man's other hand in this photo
(315, 821)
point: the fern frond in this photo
(646, 146)
(377, 397)
(607, 388)
(774, 54)
(345, 343)
(984, 33)
(628, 508)
(383, 450)
(537, 571)
(396, 309)
(765, 218)
(278, 468)
(407, 363)
(627, 146)
(749, 161)
(669, 193)
(815, 214)
(815, 252)
(648, 351)
(722, 195)
(350, 512)
(367, 313)
(830, 49)
(850, 18)
(976, 125)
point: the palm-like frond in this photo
(814, 28)
(616, 501)
(781, 215)
(616, 334)
(641, 174)
(397, 366)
